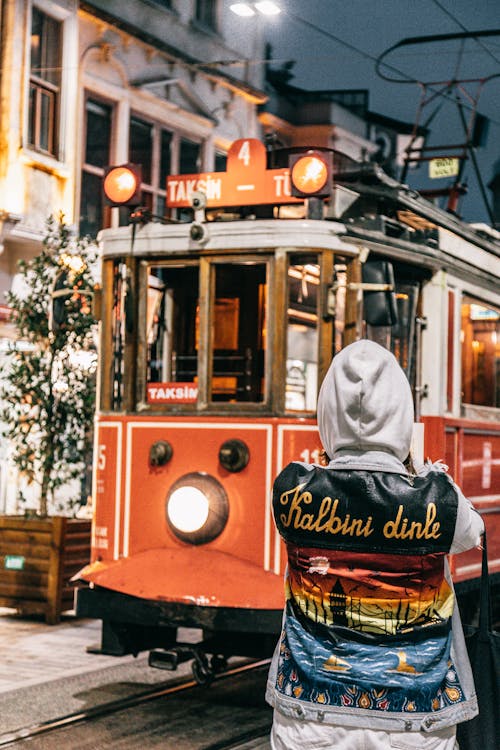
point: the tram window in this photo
(239, 333)
(172, 318)
(480, 339)
(302, 334)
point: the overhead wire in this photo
(444, 93)
(459, 23)
(200, 66)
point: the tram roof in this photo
(390, 218)
(370, 180)
(252, 234)
(383, 216)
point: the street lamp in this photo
(266, 7)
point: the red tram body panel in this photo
(471, 450)
(132, 545)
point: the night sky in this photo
(336, 44)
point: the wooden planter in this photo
(38, 557)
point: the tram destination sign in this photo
(246, 181)
(172, 393)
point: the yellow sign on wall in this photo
(443, 167)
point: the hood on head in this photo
(365, 402)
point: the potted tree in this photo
(47, 405)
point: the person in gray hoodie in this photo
(372, 653)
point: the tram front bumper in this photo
(180, 578)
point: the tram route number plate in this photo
(14, 562)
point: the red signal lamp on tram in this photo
(310, 174)
(122, 185)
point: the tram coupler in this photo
(204, 667)
(169, 659)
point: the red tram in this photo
(215, 336)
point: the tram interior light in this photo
(311, 174)
(122, 185)
(242, 9)
(197, 508)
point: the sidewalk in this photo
(32, 652)
(46, 673)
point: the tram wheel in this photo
(202, 673)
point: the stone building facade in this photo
(84, 85)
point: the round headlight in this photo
(188, 509)
(197, 508)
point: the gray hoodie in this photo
(365, 403)
(364, 524)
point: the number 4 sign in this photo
(246, 181)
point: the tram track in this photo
(10, 739)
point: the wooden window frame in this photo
(42, 87)
(93, 169)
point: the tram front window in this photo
(302, 334)
(172, 315)
(239, 332)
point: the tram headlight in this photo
(197, 508)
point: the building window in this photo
(159, 151)
(150, 145)
(189, 157)
(45, 82)
(206, 13)
(220, 164)
(98, 122)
